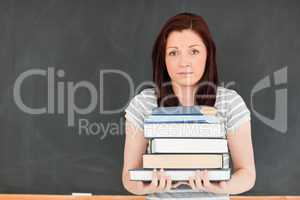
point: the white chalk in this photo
(82, 194)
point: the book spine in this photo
(225, 160)
(180, 175)
(184, 130)
(158, 145)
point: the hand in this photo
(161, 182)
(201, 183)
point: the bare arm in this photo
(244, 174)
(135, 147)
(241, 152)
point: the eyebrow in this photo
(189, 46)
(195, 45)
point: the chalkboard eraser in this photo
(81, 194)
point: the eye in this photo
(172, 53)
(195, 52)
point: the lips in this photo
(185, 73)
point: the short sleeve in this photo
(135, 111)
(237, 113)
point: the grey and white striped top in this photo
(228, 103)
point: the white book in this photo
(188, 145)
(179, 174)
(199, 130)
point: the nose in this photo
(185, 60)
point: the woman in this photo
(185, 73)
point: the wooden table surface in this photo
(115, 197)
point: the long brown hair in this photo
(207, 85)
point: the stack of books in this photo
(182, 140)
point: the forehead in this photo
(183, 38)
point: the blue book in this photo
(184, 110)
(177, 110)
(182, 119)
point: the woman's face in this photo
(185, 57)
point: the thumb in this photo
(223, 184)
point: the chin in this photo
(186, 83)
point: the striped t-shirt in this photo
(228, 103)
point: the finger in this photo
(162, 181)
(198, 180)
(140, 184)
(223, 184)
(192, 183)
(168, 184)
(154, 181)
(206, 183)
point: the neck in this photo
(185, 94)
